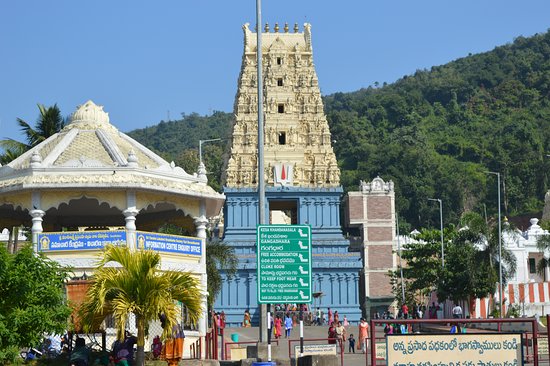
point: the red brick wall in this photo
(380, 256)
(355, 208)
(379, 208)
(379, 285)
(379, 234)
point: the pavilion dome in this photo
(91, 153)
(91, 115)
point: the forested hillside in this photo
(435, 134)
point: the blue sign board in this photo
(80, 240)
(169, 243)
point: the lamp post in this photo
(400, 265)
(441, 228)
(200, 148)
(201, 171)
(499, 245)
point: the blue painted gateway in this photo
(335, 268)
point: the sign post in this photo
(284, 264)
(284, 267)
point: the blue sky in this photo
(147, 60)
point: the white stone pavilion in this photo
(90, 176)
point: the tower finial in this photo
(266, 28)
(296, 29)
(286, 28)
(276, 28)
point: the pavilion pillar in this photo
(200, 224)
(130, 217)
(36, 229)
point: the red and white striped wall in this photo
(526, 295)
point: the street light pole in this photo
(200, 148)
(441, 228)
(499, 245)
(201, 171)
(400, 265)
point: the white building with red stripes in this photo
(527, 289)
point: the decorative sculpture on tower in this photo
(301, 173)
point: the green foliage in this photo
(32, 301)
(49, 122)
(179, 141)
(471, 262)
(435, 133)
(513, 311)
(218, 256)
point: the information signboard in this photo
(169, 243)
(284, 264)
(80, 240)
(454, 349)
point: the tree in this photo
(543, 245)
(471, 262)
(49, 122)
(32, 300)
(136, 285)
(219, 256)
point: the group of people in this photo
(277, 326)
(218, 319)
(122, 353)
(337, 333)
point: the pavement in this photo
(319, 333)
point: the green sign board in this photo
(284, 264)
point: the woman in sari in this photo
(278, 327)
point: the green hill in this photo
(434, 133)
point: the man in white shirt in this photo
(457, 312)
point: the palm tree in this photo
(220, 256)
(484, 234)
(138, 286)
(49, 122)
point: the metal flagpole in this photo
(261, 182)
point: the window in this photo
(532, 265)
(279, 82)
(279, 61)
(282, 138)
(281, 108)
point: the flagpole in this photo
(261, 182)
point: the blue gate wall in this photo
(335, 268)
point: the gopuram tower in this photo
(301, 175)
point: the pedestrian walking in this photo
(288, 325)
(278, 327)
(351, 342)
(363, 334)
(340, 335)
(457, 312)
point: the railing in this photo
(195, 349)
